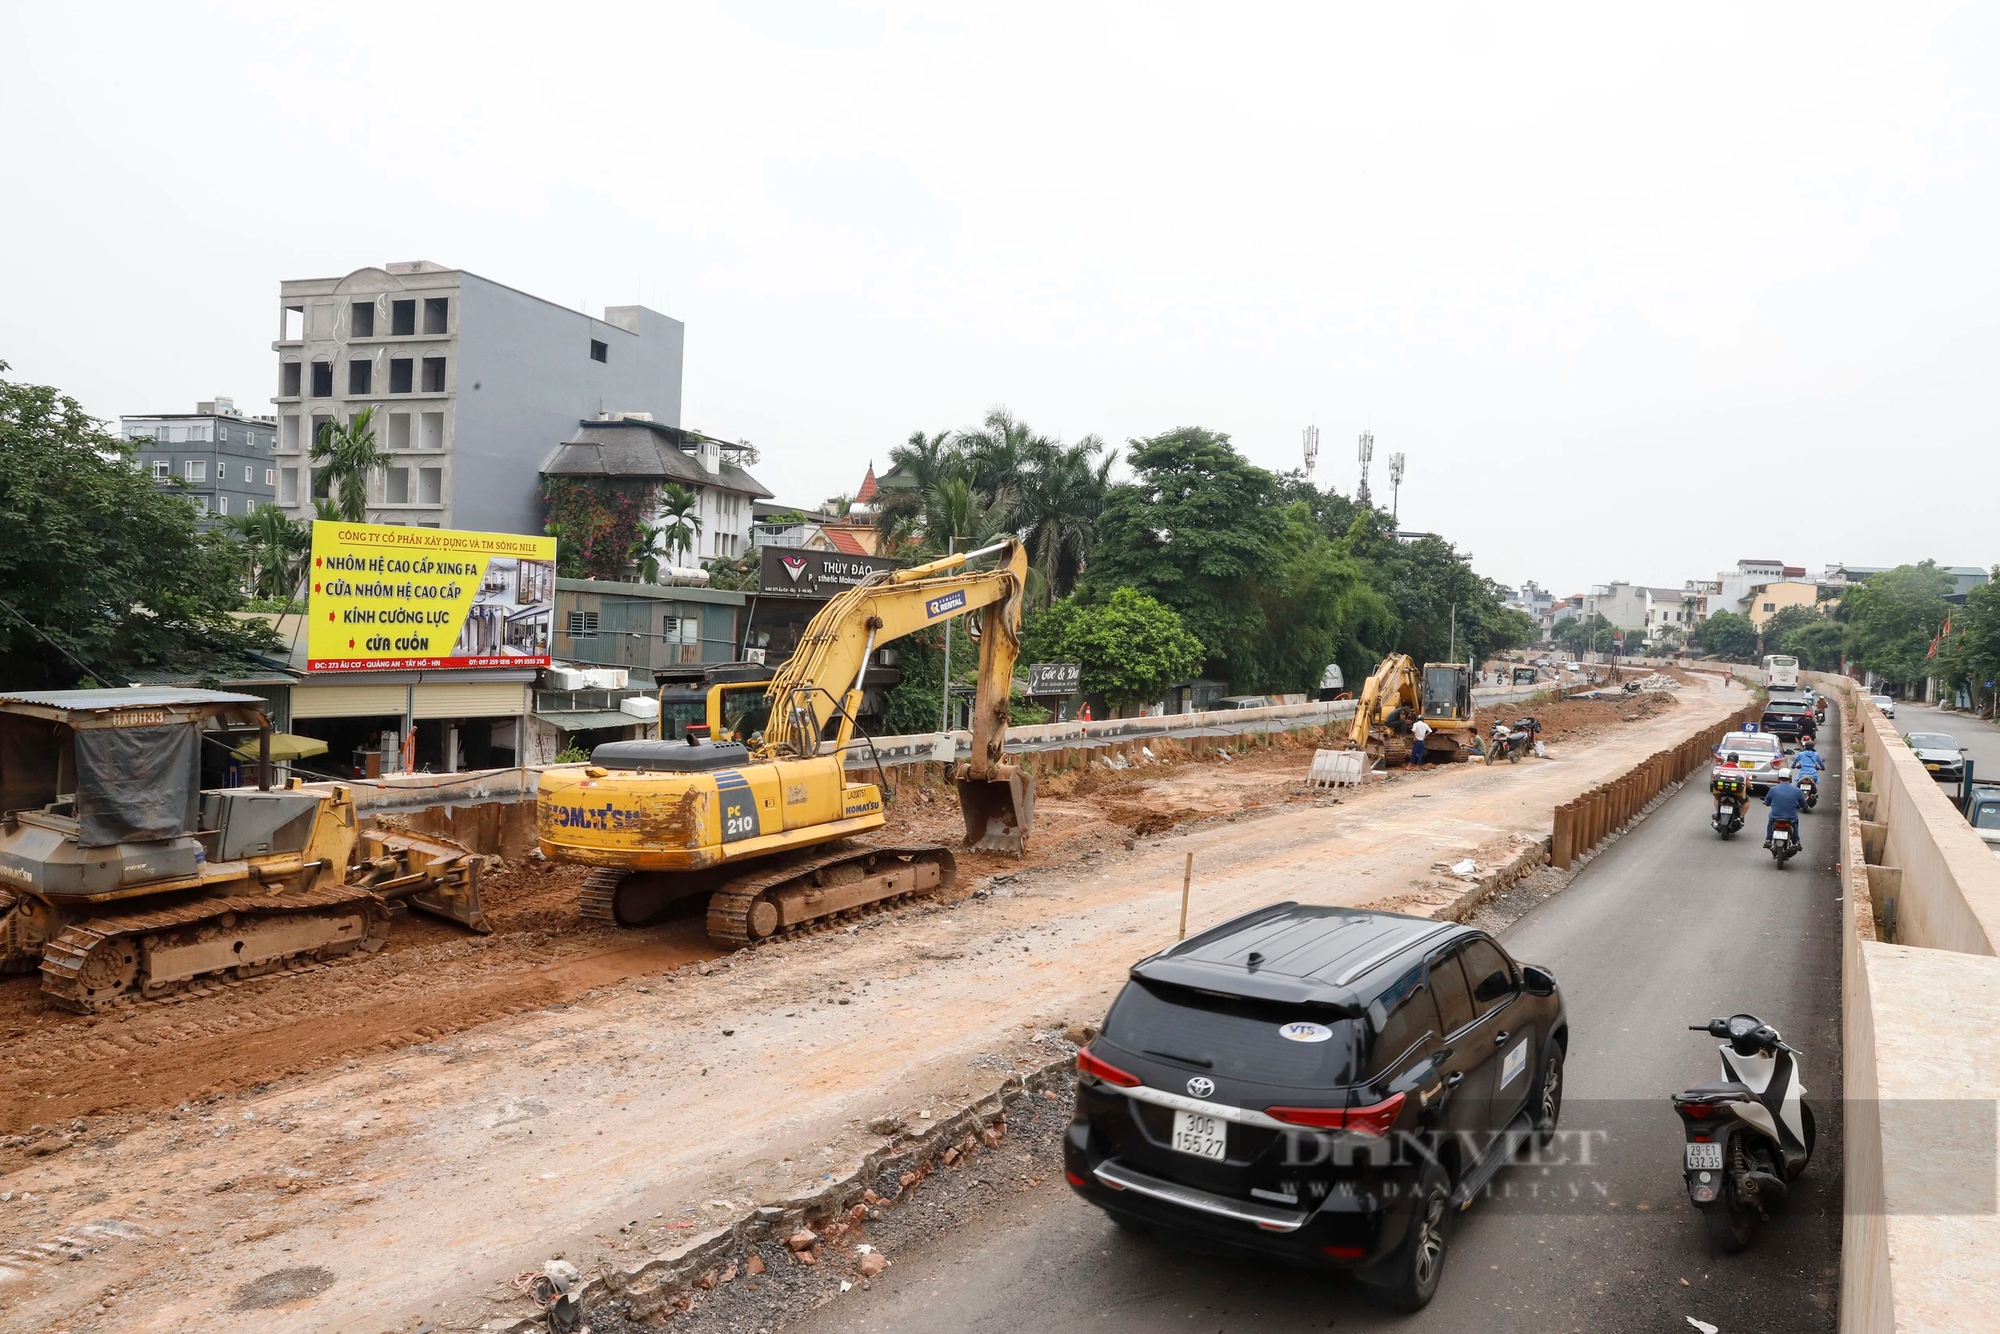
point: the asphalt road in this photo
(1669, 926)
(1980, 738)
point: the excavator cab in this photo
(1447, 692)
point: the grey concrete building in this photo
(221, 460)
(470, 381)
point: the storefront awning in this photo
(587, 720)
(285, 748)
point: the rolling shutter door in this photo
(348, 701)
(472, 699)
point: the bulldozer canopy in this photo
(137, 784)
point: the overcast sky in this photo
(1637, 290)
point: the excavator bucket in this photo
(998, 810)
(436, 875)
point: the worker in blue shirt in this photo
(1784, 799)
(1807, 762)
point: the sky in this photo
(1636, 291)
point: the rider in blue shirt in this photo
(1807, 762)
(1784, 801)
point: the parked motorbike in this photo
(1783, 843)
(1731, 791)
(1511, 740)
(1746, 1138)
(1810, 786)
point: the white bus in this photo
(1780, 669)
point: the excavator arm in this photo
(819, 687)
(1393, 683)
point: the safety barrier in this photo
(1584, 823)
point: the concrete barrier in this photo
(1584, 823)
(1920, 1234)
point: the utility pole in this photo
(1396, 488)
(1367, 453)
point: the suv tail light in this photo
(1087, 1064)
(1374, 1120)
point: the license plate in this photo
(1933, 767)
(1704, 1157)
(1202, 1136)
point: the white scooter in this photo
(1748, 1137)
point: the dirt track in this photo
(747, 1079)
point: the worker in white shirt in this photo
(1418, 731)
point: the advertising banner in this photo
(386, 598)
(1055, 678)
(814, 574)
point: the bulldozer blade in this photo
(998, 811)
(449, 871)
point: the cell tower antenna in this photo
(1396, 487)
(1367, 456)
(1312, 448)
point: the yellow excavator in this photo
(1398, 693)
(745, 815)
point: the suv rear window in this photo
(1403, 1015)
(1454, 999)
(1232, 1036)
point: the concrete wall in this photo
(523, 378)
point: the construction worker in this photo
(1418, 731)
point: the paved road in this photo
(1670, 926)
(1980, 738)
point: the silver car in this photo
(1884, 703)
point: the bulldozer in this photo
(1398, 693)
(755, 809)
(122, 880)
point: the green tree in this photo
(1892, 617)
(1785, 620)
(595, 521)
(680, 521)
(1728, 635)
(346, 454)
(1447, 611)
(1130, 646)
(1976, 640)
(98, 566)
(1581, 634)
(276, 547)
(1817, 645)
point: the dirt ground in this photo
(382, 1117)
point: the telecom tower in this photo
(1312, 448)
(1367, 457)
(1395, 488)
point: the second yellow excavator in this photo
(749, 822)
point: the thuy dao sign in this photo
(385, 597)
(814, 574)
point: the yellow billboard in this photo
(386, 598)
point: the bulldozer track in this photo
(95, 964)
(735, 919)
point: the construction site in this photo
(663, 1123)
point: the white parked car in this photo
(1884, 703)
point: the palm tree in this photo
(1056, 514)
(277, 546)
(349, 454)
(680, 519)
(916, 467)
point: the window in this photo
(1454, 1002)
(322, 484)
(399, 430)
(138, 433)
(249, 507)
(433, 375)
(1402, 1016)
(359, 372)
(163, 470)
(292, 432)
(430, 486)
(361, 320)
(402, 318)
(431, 431)
(270, 477)
(1492, 977)
(222, 504)
(288, 379)
(288, 486)
(195, 470)
(249, 476)
(680, 630)
(198, 431)
(599, 351)
(398, 490)
(201, 506)
(435, 310)
(400, 369)
(583, 625)
(293, 326)
(1770, 606)
(322, 379)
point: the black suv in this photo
(1789, 718)
(1318, 1085)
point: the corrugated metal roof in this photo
(135, 697)
(588, 721)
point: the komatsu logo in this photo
(938, 606)
(606, 816)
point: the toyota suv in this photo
(1322, 1086)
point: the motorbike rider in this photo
(1729, 761)
(1785, 801)
(1807, 763)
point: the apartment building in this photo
(469, 379)
(221, 460)
(633, 448)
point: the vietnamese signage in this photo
(814, 574)
(1055, 678)
(389, 598)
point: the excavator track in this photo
(160, 954)
(816, 891)
(600, 893)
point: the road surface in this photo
(1669, 926)
(1980, 738)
